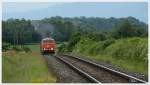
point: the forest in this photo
(21, 31)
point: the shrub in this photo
(106, 43)
(127, 48)
(88, 46)
(26, 49)
(131, 48)
(17, 48)
(75, 38)
(62, 47)
(6, 46)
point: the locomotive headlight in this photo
(44, 49)
(51, 48)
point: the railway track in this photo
(96, 73)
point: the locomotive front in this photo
(48, 45)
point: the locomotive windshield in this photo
(48, 41)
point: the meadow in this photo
(22, 67)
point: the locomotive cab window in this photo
(48, 41)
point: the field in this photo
(25, 67)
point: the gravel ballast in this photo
(96, 72)
(134, 74)
(63, 73)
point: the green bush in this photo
(88, 46)
(106, 43)
(127, 53)
(75, 38)
(62, 48)
(83, 45)
(135, 49)
(17, 48)
(6, 46)
(26, 49)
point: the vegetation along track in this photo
(97, 73)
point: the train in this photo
(48, 46)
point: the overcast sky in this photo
(33, 10)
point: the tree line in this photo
(19, 31)
(96, 28)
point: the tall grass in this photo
(25, 67)
(127, 53)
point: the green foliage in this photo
(120, 52)
(26, 49)
(84, 42)
(6, 46)
(62, 47)
(106, 43)
(63, 29)
(87, 45)
(135, 49)
(118, 41)
(75, 38)
(96, 35)
(93, 27)
(17, 48)
(19, 31)
(25, 67)
(126, 29)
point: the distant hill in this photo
(90, 22)
(62, 26)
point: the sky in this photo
(38, 10)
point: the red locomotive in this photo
(48, 45)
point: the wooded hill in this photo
(21, 31)
(61, 28)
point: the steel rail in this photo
(90, 78)
(130, 78)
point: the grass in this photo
(25, 67)
(128, 54)
(124, 64)
(128, 65)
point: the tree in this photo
(74, 39)
(19, 31)
(123, 30)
